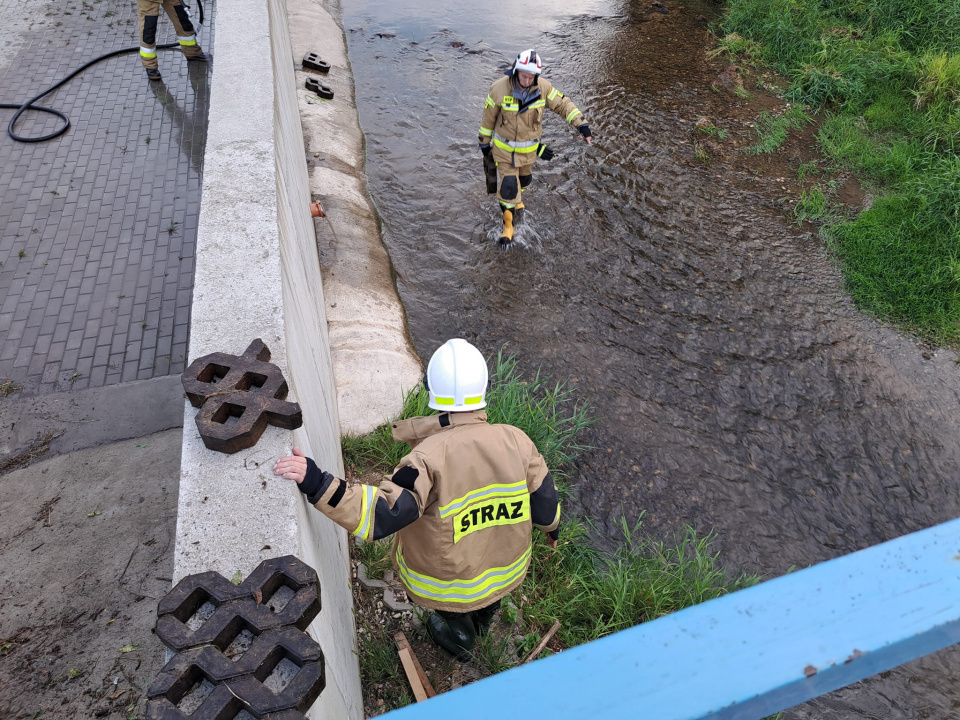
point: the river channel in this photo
(737, 389)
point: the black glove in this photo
(485, 149)
(544, 153)
(315, 483)
(584, 130)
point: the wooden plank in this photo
(406, 658)
(402, 645)
(748, 654)
(543, 642)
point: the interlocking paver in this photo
(98, 227)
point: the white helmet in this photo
(528, 61)
(457, 377)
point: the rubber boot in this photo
(483, 618)
(506, 237)
(455, 635)
(490, 174)
(518, 213)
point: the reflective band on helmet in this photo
(485, 132)
(473, 400)
(484, 493)
(189, 40)
(573, 115)
(367, 505)
(462, 591)
(445, 401)
(147, 52)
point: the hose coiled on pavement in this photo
(29, 104)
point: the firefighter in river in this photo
(462, 503)
(511, 128)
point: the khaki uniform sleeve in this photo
(544, 499)
(372, 512)
(563, 106)
(536, 468)
(491, 110)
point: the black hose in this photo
(29, 104)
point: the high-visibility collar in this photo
(414, 430)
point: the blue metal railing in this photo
(745, 655)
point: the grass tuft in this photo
(376, 555)
(737, 49)
(772, 129)
(938, 79)
(8, 387)
(594, 594)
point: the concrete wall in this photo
(258, 275)
(374, 362)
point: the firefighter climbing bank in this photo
(462, 503)
(149, 12)
(511, 129)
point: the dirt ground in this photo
(86, 550)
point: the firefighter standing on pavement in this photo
(511, 128)
(149, 11)
(462, 503)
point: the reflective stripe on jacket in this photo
(514, 128)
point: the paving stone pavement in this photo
(98, 227)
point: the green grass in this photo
(900, 260)
(705, 127)
(807, 169)
(884, 75)
(8, 387)
(812, 204)
(376, 555)
(380, 667)
(772, 129)
(594, 594)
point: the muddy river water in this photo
(737, 388)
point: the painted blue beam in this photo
(745, 655)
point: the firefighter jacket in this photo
(462, 504)
(514, 127)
